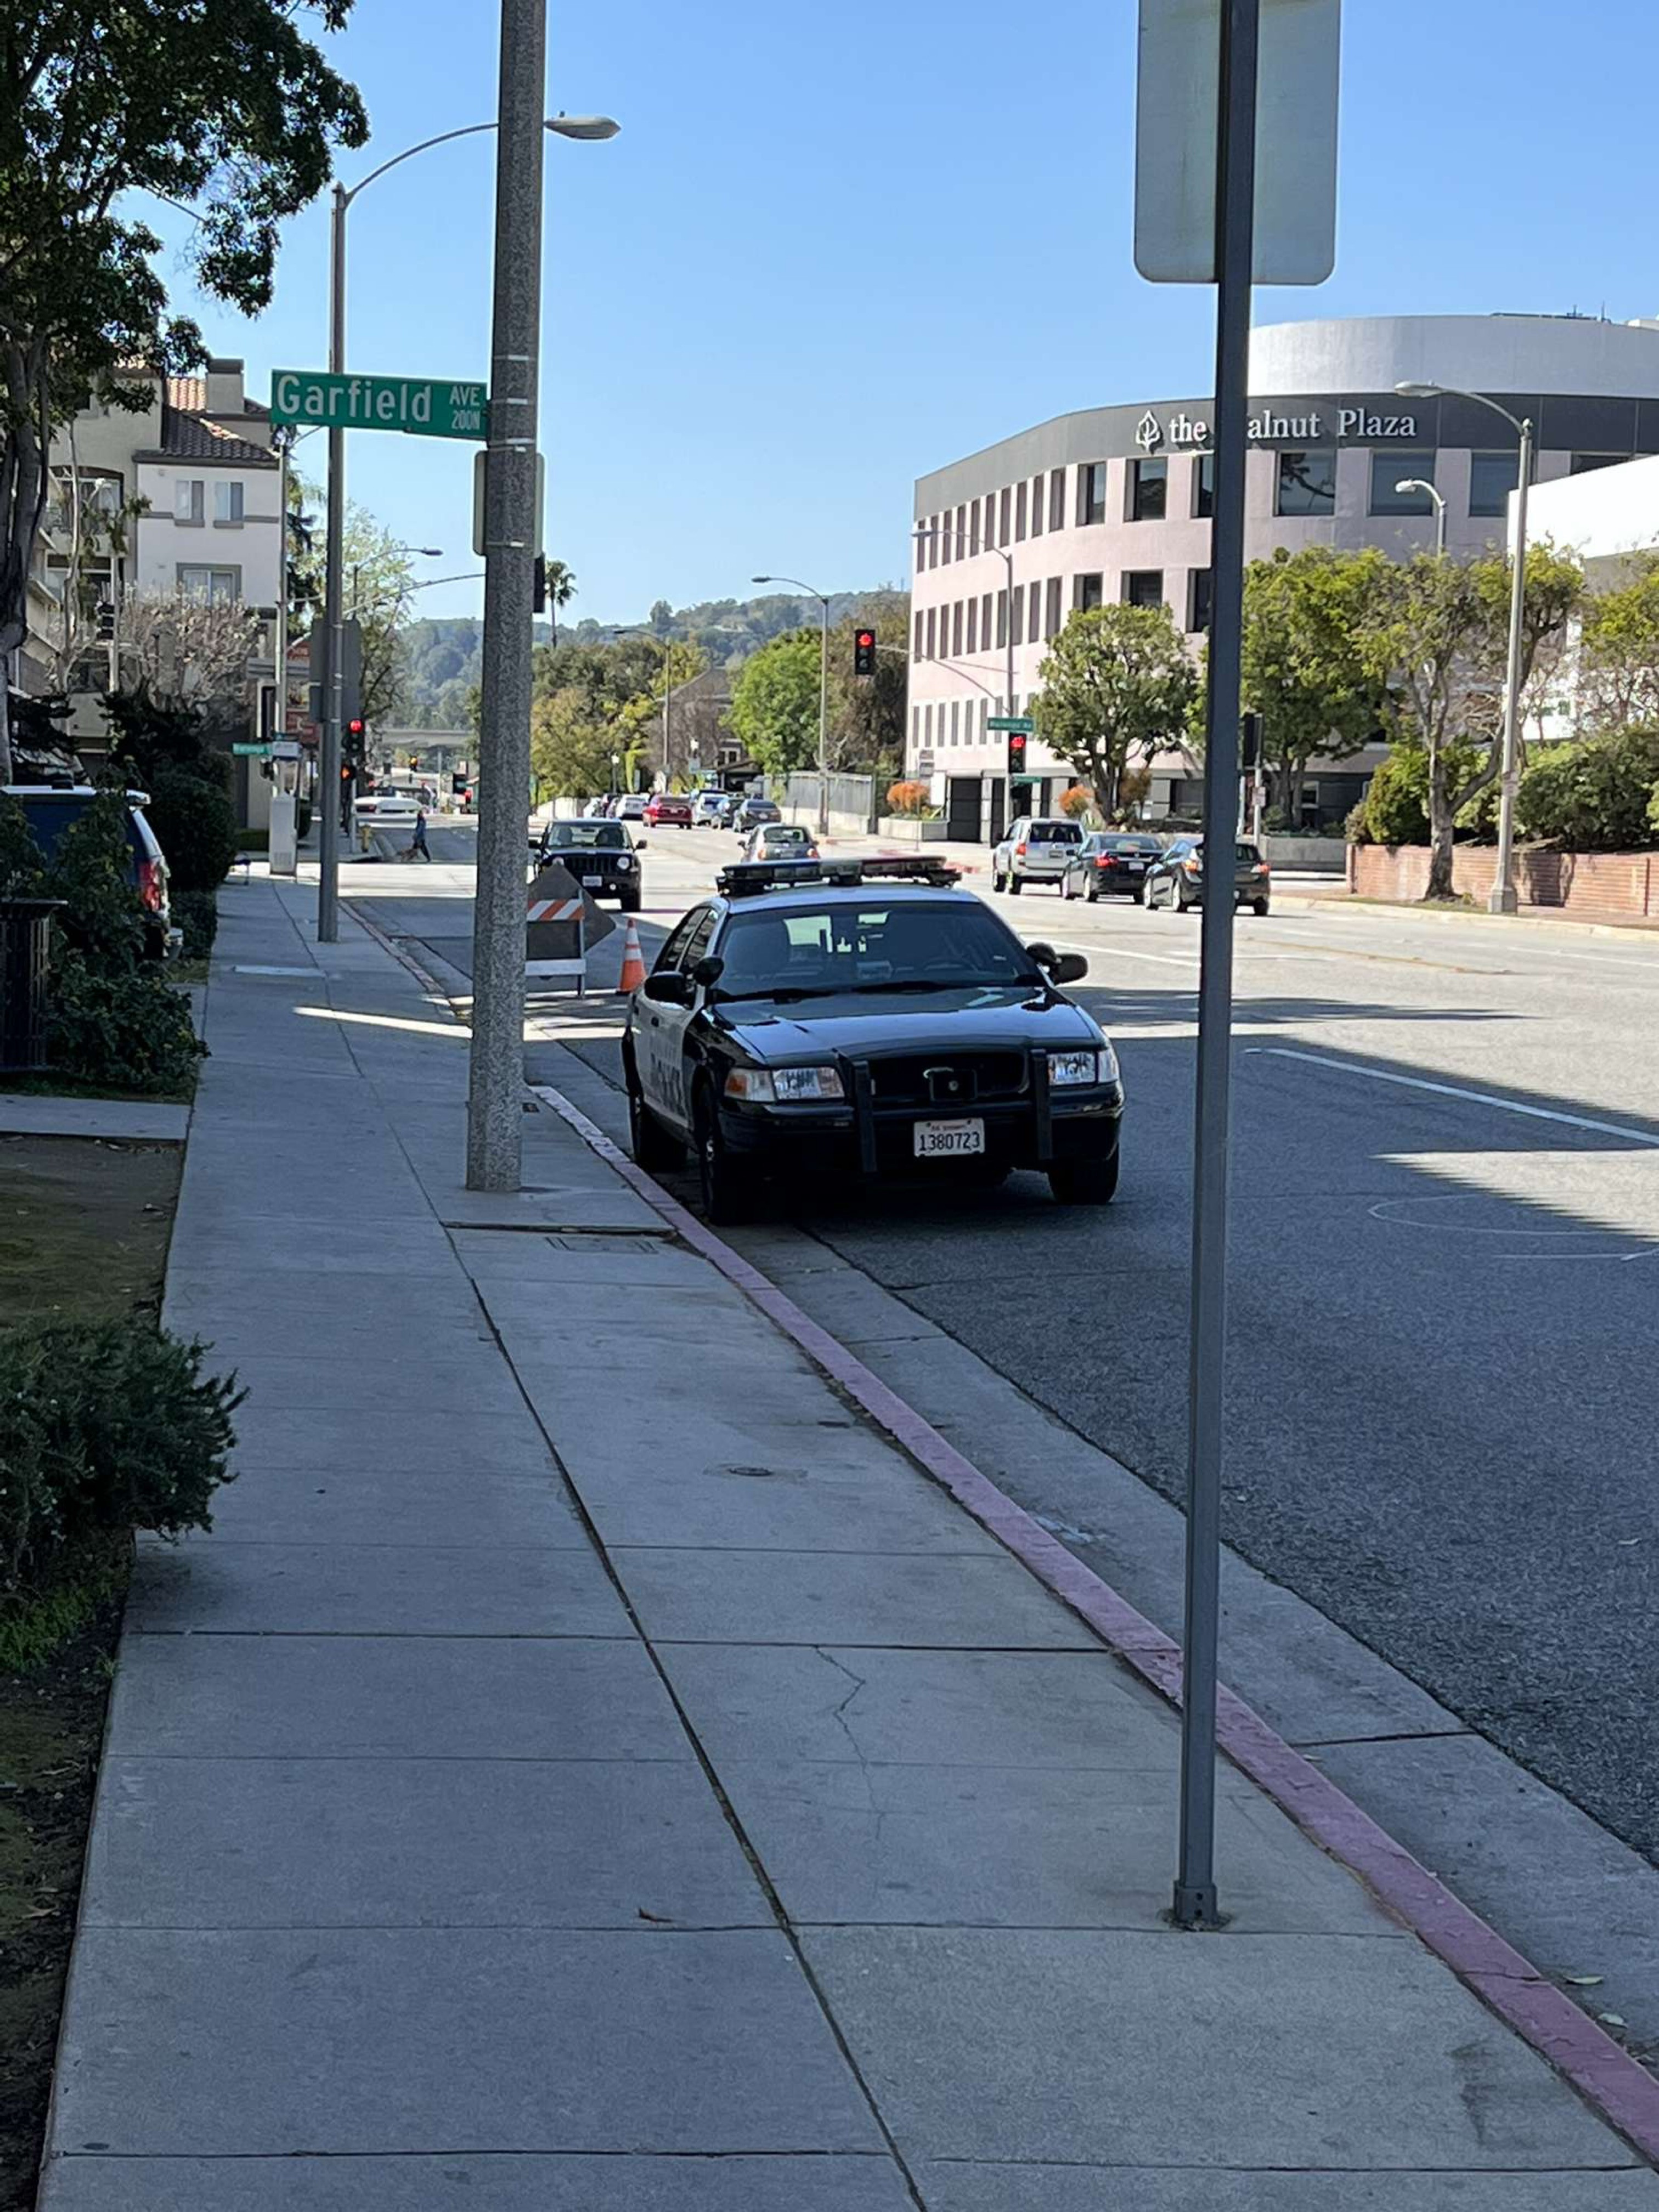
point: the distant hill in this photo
(442, 657)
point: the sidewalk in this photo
(590, 1769)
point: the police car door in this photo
(664, 1025)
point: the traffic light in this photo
(1016, 752)
(864, 652)
(1249, 744)
(539, 602)
(354, 737)
(106, 621)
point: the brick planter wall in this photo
(1598, 886)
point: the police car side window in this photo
(679, 937)
(698, 944)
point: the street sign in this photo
(1176, 140)
(284, 749)
(1021, 723)
(422, 406)
(252, 752)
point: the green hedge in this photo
(1592, 797)
(196, 825)
(197, 914)
(103, 1427)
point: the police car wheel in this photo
(728, 1189)
(1085, 1182)
(652, 1146)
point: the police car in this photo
(864, 1019)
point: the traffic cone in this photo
(632, 968)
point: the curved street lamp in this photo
(795, 584)
(1439, 498)
(328, 856)
(1502, 899)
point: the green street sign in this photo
(421, 406)
(252, 752)
(1018, 722)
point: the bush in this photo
(104, 1426)
(1592, 797)
(197, 914)
(196, 826)
(1653, 810)
(103, 918)
(908, 798)
(1395, 808)
(1075, 803)
(121, 1028)
(257, 840)
(22, 864)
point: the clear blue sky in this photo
(829, 253)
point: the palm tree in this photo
(561, 590)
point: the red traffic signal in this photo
(864, 652)
(1016, 752)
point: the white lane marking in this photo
(1455, 1090)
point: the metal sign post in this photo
(1215, 75)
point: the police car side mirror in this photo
(708, 971)
(1070, 967)
(639, 844)
(670, 989)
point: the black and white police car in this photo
(864, 1019)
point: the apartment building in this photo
(1113, 503)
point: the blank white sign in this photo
(1175, 129)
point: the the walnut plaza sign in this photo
(1181, 432)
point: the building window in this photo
(1389, 470)
(953, 721)
(1037, 505)
(1034, 614)
(1493, 477)
(1019, 612)
(1583, 463)
(1091, 493)
(973, 525)
(962, 533)
(1051, 617)
(947, 551)
(916, 643)
(1003, 517)
(932, 645)
(1056, 499)
(985, 623)
(1149, 490)
(1199, 594)
(916, 724)
(226, 502)
(1204, 487)
(973, 628)
(1143, 587)
(927, 728)
(1002, 619)
(1019, 513)
(188, 495)
(220, 586)
(956, 629)
(1307, 482)
(1088, 590)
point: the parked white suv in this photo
(1034, 850)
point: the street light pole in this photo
(1439, 498)
(1504, 898)
(796, 584)
(958, 537)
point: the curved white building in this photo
(1112, 503)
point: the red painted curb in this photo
(1605, 2074)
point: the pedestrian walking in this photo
(419, 844)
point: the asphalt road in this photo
(1442, 1391)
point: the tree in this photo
(1118, 681)
(866, 713)
(1619, 651)
(774, 702)
(187, 649)
(1302, 672)
(98, 103)
(570, 748)
(377, 579)
(661, 617)
(1434, 633)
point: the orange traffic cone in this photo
(632, 968)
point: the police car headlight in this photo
(1065, 1067)
(797, 1084)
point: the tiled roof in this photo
(187, 435)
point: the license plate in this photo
(592, 882)
(944, 1140)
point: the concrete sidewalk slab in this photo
(957, 2187)
(390, 1842)
(1355, 2045)
(374, 1438)
(526, 2040)
(416, 1506)
(133, 1121)
(854, 2182)
(214, 1586)
(401, 1697)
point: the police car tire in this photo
(1085, 1182)
(728, 1189)
(652, 1146)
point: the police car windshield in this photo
(908, 944)
(591, 836)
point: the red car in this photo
(662, 806)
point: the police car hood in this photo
(966, 1018)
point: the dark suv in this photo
(51, 809)
(1176, 876)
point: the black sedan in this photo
(1110, 863)
(812, 1021)
(600, 855)
(1176, 876)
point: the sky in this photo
(829, 253)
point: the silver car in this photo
(1035, 849)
